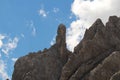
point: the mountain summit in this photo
(96, 57)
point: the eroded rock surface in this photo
(116, 76)
(45, 65)
(96, 57)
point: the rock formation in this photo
(116, 76)
(96, 57)
(45, 65)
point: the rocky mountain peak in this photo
(61, 42)
(61, 35)
(113, 19)
(97, 25)
(96, 57)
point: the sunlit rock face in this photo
(96, 57)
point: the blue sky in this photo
(29, 26)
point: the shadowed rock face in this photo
(96, 57)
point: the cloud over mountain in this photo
(86, 12)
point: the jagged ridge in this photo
(96, 57)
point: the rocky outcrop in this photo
(96, 57)
(45, 65)
(107, 68)
(116, 76)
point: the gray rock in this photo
(98, 43)
(96, 57)
(116, 76)
(107, 68)
(44, 65)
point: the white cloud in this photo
(10, 45)
(34, 31)
(55, 10)
(1, 38)
(74, 34)
(42, 12)
(33, 28)
(53, 41)
(71, 16)
(87, 12)
(3, 72)
(14, 59)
